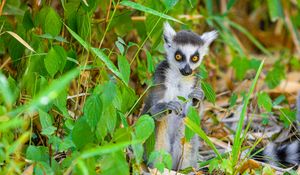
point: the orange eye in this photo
(195, 58)
(178, 57)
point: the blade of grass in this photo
(148, 10)
(249, 36)
(17, 37)
(195, 128)
(237, 139)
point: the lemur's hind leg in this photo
(190, 153)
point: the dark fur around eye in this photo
(195, 54)
(180, 53)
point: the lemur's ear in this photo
(209, 37)
(169, 33)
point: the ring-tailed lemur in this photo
(285, 154)
(174, 77)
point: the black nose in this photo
(186, 70)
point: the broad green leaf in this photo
(45, 119)
(209, 92)
(287, 116)
(82, 133)
(124, 68)
(52, 23)
(265, 101)
(55, 60)
(37, 153)
(51, 62)
(275, 9)
(148, 10)
(114, 163)
(93, 110)
(144, 127)
(241, 66)
(275, 75)
(27, 20)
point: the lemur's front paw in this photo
(197, 95)
(174, 106)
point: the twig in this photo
(291, 29)
(1, 6)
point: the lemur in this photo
(284, 154)
(176, 76)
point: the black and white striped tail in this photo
(285, 154)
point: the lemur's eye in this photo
(195, 58)
(178, 57)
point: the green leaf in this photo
(82, 133)
(114, 163)
(93, 110)
(148, 10)
(52, 23)
(170, 3)
(45, 119)
(27, 20)
(55, 60)
(124, 68)
(106, 149)
(287, 116)
(237, 138)
(144, 127)
(108, 63)
(275, 75)
(233, 99)
(120, 46)
(265, 101)
(275, 9)
(241, 66)
(51, 62)
(79, 39)
(37, 153)
(150, 63)
(196, 128)
(52, 91)
(230, 4)
(279, 100)
(193, 116)
(5, 90)
(209, 92)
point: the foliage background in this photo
(74, 73)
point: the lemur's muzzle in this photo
(186, 70)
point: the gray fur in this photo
(173, 78)
(187, 37)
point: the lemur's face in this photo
(185, 49)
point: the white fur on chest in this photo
(177, 85)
